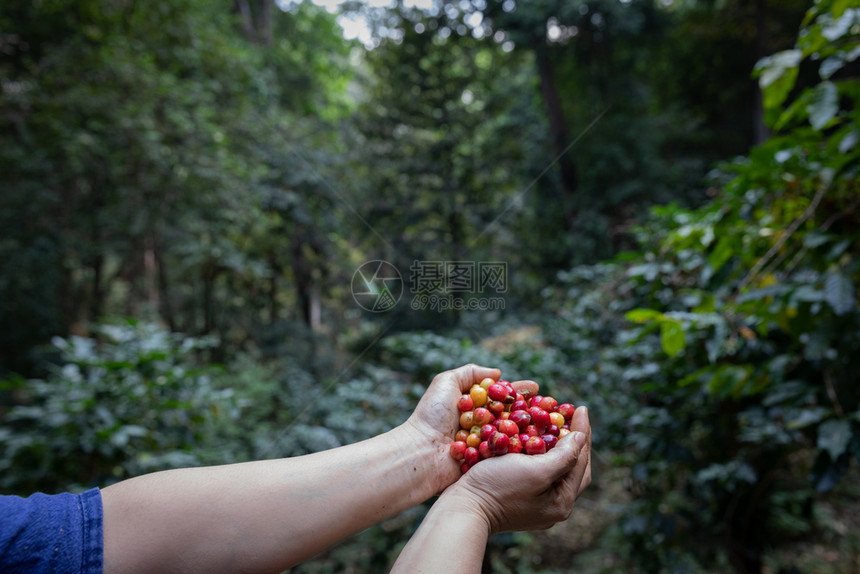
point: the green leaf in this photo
(835, 29)
(795, 112)
(834, 437)
(836, 62)
(729, 379)
(830, 66)
(808, 294)
(764, 292)
(788, 390)
(672, 337)
(838, 249)
(722, 253)
(716, 344)
(707, 304)
(839, 293)
(647, 270)
(824, 105)
(642, 315)
(122, 435)
(814, 239)
(806, 417)
(848, 142)
(839, 6)
(695, 377)
(777, 75)
(773, 67)
(826, 473)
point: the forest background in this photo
(647, 206)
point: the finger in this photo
(562, 459)
(567, 487)
(526, 388)
(468, 375)
(580, 421)
(586, 479)
(579, 477)
(580, 424)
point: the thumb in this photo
(470, 374)
(562, 458)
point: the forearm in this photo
(263, 516)
(451, 538)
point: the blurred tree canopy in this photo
(151, 154)
(187, 189)
(224, 168)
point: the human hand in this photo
(520, 492)
(436, 419)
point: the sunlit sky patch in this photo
(355, 25)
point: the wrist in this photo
(426, 456)
(467, 505)
(452, 537)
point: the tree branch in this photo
(807, 213)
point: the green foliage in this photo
(735, 375)
(135, 179)
(131, 401)
(134, 399)
(425, 354)
(439, 130)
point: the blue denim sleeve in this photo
(60, 533)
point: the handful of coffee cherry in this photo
(496, 420)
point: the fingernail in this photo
(579, 438)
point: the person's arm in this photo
(267, 516)
(513, 492)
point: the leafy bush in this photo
(734, 381)
(130, 401)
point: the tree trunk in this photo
(150, 273)
(256, 21)
(555, 115)
(761, 132)
(264, 23)
(456, 228)
(302, 275)
(97, 299)
(303, 291)
(210, 273)
(165, 304)
(273, 288)
(96, 305)
(315, 309)
(244, 10)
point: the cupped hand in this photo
(521, 492)
(436, 418)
